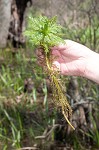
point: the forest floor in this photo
(28, 120)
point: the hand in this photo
(75, 59)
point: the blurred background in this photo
(28, 119)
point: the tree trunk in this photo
(5, 15)
(18, 8)
(11, 21)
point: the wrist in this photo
(92, 67)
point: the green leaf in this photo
(43, 31)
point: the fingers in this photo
(59, 47)
(63, 49)
(69, 68)
(56, 66)
(55, 52)
(40, 57)
(39, 53)
(64, 46)
(41, 60)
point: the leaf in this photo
(44, 31)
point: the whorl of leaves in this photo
(43, 31)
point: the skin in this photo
(75, 59)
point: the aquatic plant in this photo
(44, 32)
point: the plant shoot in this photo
(44, 33)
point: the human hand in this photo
(76, 59)
(73, 59)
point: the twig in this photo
(29, 148)
(82, 102)
(48, 133)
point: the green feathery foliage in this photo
(45, 33)
(42, 31)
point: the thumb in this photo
(56, 66)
